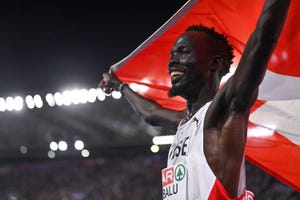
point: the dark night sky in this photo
(47, 46)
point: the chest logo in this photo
(180, 172)
(180, 149)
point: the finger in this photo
(105, 75)
(112, 74)
(102, 83)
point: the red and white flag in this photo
(274, 126)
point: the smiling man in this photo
(207, 157)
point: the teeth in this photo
(176, 73)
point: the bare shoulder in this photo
(225, 126)
(217, 110)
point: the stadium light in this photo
(51, 154)
(50, 99)
(29, 101)
(2, 105)
(85, 153)
(38, 102)
(79, 145)
(62, 145)
(18, 103)
(154, 148)
(9, 103)
(163, 140)
(53, 146)
(66, 98)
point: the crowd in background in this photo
(126, 178)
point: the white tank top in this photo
(188, 175)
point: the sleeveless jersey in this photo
(188, 175)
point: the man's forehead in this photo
(191, 38)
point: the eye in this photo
(184, 51)
(180, 51)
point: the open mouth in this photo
(176, 76)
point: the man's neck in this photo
(194, 103)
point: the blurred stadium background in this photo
(61, 138)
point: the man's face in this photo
(189, 63)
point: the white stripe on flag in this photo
(283, 116)
(279, 87)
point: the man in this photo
(206, 160)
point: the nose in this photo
(173, 60)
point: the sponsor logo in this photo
(179, 149)
(171, 178)
(167, 176)
(196, 120)
(169, 191)
(180, 172)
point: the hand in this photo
(110, 83)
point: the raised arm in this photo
(149, 110)
(243, 86)
(227, 117)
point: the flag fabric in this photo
(274, 125)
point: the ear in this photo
(216, 63)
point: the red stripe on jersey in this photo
(218, 192)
